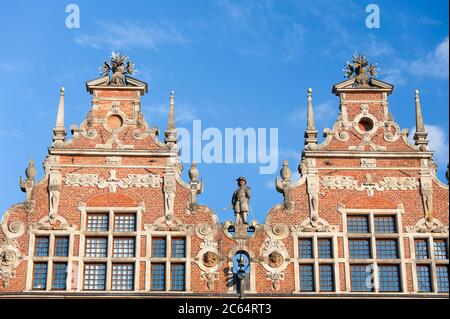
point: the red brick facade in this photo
(114, 166)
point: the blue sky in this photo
(231, 63)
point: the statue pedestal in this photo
(240, 231)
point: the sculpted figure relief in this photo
(241, 201)
(275, 259)
(210, 259)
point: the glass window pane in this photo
(61, 246)
(178, 275)
(94, 276)
(361, 277)
(326, 278)
(305, 246)
(125, 222)
(158, 277)
(389, 278)
(96, 247)
(387, 249)
(325, 248)
(385, 224)
(359, 248)
(440, 249)
(442, 278)
(124, 247)
(306, 278)
(97, 222)
(421, 247)
(59, 276)
(159, 247)
(358, 224)
(423, 278)
(122, 277)
(40, 276)
(178, 247)
(41, 246)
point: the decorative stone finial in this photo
(30, 172)
(118, 68)
(420, 137)
(193, 173)
(171, 133)
(59, 132)
(311, 132)
(172, 110)
(285, 172)
(358, 69)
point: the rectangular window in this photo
(423, 278)
(361, 278)
(389, 278)
(178, 247)
(62, 246)
(40, 276)
(442, 278)
(41, 247)
(326, 278)
(325, 248)
(385, 224)
(306, 278)
(359, 248)
(125, 222)
(97, 222)
(305, 247)
(421, 247)
(159, 247)
(387, 249)
(96, 247)
(358, 224)
(124, 247)
(440, 249)
(122, 276)
(94, 276)
(59, 276)
(178, 274)
(158, 277)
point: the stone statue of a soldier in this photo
(241, 201)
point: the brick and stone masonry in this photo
(115, 169)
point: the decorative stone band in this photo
(388, 183)
(133, 180)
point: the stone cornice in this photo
(109, 152)
(365, 154)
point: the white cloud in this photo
(434, 64)
(394, 76)
(323, 113)
(184, 113)
(438, 143)
(10, 133)
(11, 67)
(132, 35)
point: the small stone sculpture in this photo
(241, 202)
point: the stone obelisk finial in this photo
(420, 137)
(171, 132)
(59, 132)
(311, 132)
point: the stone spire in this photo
(171, 133)
(420, 137)
(59, 132)
(311, 132)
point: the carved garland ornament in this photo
(112, 182)
(388, 183)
